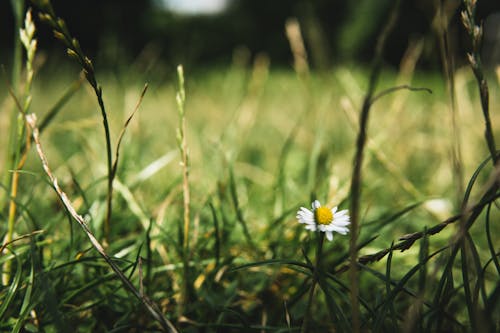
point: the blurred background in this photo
(208, 32)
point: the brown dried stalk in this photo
(356, 180)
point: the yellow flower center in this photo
(323, 215)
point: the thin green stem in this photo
(12, 157)
(319, 250)
(111, 174)
(22, 139)
(61, 32)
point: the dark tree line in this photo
(334, 30)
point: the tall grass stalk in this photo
(61, 32)
(476, 35)
(294, 36)
(356, 179)
(22, 137)
(470, 263)
(13, 147)
(448, 63)
(183, 148)
(301, 67)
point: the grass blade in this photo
(494, 255)
(237, 208)
(150, 306)
(28, 303)
(13, 287)
(272, 262)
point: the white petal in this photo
(311, 227)
(316, 204)
(342, 213)
(341, 218)
(309, 219)
(304, 210)
(341, 222)
(329, 235)
(334, 209)
(309, 222)
(304, 215)
(333, 227)
(341, 230)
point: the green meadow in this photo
(179, 212)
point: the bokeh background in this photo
(194, 32)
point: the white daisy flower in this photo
(324, 219)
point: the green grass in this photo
(262, 142)
(272, 179)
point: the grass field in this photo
(203, 230)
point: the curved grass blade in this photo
(393, 217)
(362, 301)
(216, 233)
(346, 256)
(13, 288)
(490, 241)
(123, 328)
(480, 286)
(238, 315)
(223, 327)
(473, 179)
(300, 293)
(334, 310)
(89, 286)
(272, 262)
(400, 285)
(445, 286)
(415, 322)
(492, 303)
(443, 293)
(387, 306)
(388, 289)
(122, 133)
(394, 89)
(237, 208)
(466, 283)
(27, 304)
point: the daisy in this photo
(324, 219)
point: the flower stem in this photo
(319, 250)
